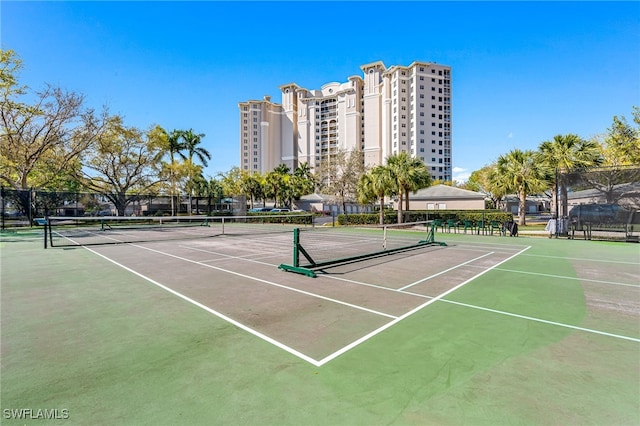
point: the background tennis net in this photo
(61, 231)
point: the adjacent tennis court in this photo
(466, 329)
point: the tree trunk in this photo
(522, 208)
(382, 210)
(400, 207)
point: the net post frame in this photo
(308, 270)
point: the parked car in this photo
(260, 209)
(280, 210)
(598, 213)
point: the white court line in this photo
(411, 312)
(424, 296)
(563, 277)
(267, 282)
(442, 272)
(229, 257)
(589, 330)
(586, 260)
(214, 312)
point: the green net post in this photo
(295, 267)
(296, 244)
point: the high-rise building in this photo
(384, 112)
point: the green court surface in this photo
(488, 330)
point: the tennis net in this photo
(62, 231)
(314, 250)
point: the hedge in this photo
(391, 217)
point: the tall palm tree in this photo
(563, 154)
(410, 174)
(174, 146)
(519, 172)
(190, 142)
(375, 185)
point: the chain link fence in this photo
(601, 203)
(24, 208)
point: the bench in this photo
(587, 229)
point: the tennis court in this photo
(484, 329)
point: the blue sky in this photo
(522, 72)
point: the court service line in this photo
(563, 277)
(445, 271)
(214, 312)
(229, 256)
(362, 308)
(411, 312)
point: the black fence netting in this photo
(601, 203)
(21, 208)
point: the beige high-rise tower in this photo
(387, 111)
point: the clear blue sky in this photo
(522, 72)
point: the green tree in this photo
(214, 192)
(375, 185)
(231, 181)
(190, 145)
(123, 163)
(563, 154)
(483, 181)
(339, 176)
(410, 174)
(275, 183)
(622, 141)
(251, 184)
(519, 172)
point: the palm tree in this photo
(190, 142)
(174, 146)
(563, 154)
(375, 185)
(410, 174)
(519, 172)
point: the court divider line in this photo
(443, 272)
(411, 312)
